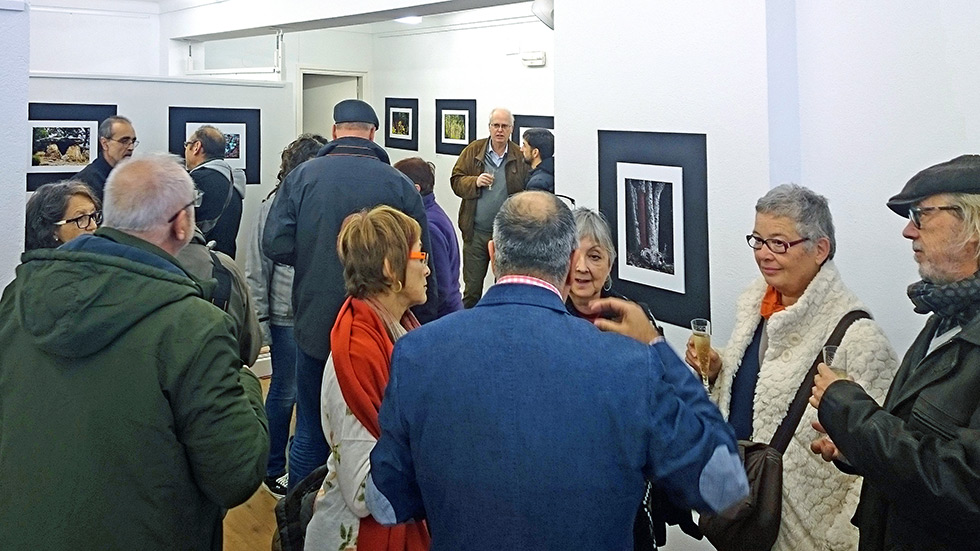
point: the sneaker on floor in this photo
(276, 485)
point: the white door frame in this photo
(303, 71)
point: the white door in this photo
(320, 93)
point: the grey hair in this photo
(806, 208)
(105, 128)
(535, 241)
(969, 204)
(592, 224)
(143, 193)
(510, 116)
(355, 126)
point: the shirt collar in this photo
(528, 280)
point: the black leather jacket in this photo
(920, 453)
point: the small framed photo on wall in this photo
(401, 123)
(64, 139)
(455, 125)
(524, 122)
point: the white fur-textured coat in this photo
(818, 500)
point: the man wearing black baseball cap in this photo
(919, 453)
(348, 174)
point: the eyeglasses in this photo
(915, 213)
(198, 199)
(127, 141)
(189, 143)
(777, 246)
(499, 126)
(83, 221)
(419, 255)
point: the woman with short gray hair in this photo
(592, 270)
(782, 322)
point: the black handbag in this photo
(753, 523)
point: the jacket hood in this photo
(235, 175)
(352, 145)
(73, 303)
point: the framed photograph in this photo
(63, 146)
(63, 125)
(401, 123)
(653, 190)
(455, 125)
(523, 122)
(235, 140)
(241, 127)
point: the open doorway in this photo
(320, 90)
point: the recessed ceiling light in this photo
(410, 20)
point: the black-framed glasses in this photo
(127, 141)
(83, 220)
(569, 201)
(915, 213)
(189, 142)
(198, 199)
(777, 246)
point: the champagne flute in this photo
(701, 329)
(836, 360)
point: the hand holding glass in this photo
(701, 329)
(836, 360)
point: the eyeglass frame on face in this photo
(96, 215)
(915, 213)
(191, 142)
(419, 255)
(198, 199)
(500, 125)
(126, 142)
(769, 243)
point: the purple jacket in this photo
(445, 256)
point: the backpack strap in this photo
(780, 440)
(222, 291)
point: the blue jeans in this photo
(309, 448)
(282, 396)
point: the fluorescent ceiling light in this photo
(410, 20)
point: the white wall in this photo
(672, 67)
(146, 102)
(14, 132)
(884, 93)
(479, 62)
(105, 37)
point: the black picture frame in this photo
(398, 107)
(64, 112)
(251, 118)
(455, 146)
(684, 155)
(523, 122)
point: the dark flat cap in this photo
(354, 110)
(960, 175)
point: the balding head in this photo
(534, 234)
(151, 198)
(206, 143)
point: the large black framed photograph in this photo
(524, 122)
(455, 125)
(653, 190)
(64, 139)
(241, 127)
(401, 123)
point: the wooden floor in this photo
(250, 526)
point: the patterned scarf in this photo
(955, 303)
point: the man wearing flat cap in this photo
(348, 174)
(919, 453)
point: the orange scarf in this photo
(363, 385)
(772, 302)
